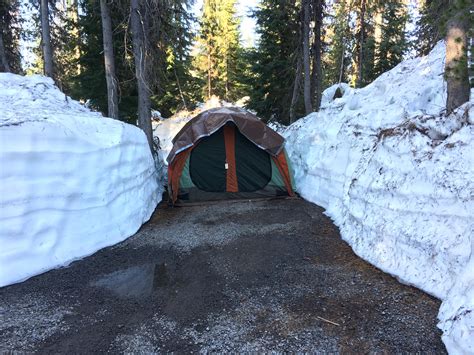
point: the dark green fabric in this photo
(207, 163)
(253, 165)
(185, 181)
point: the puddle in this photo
(136, 281)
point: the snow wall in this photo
(71, 181)
(398, 179)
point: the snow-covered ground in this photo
(398, 179)
(71, 181)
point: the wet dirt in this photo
(232, 276)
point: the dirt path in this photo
(246, 276)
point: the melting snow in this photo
(397, 177)
(71, 181)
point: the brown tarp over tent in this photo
(208, 122)
(228, 151)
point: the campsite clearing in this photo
(242, 276)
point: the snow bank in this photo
(71, 181)
(398, 179)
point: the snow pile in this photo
(71, 181)
(165, 130)
(398, 179)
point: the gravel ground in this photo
(231, 276)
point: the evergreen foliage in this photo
(273, 62)
(218, 61)
(393, 42)
(340, 41)
(84, 75)
(360, 39)
(10, 30)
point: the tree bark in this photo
(456, 70)
(296, 89)
(109, 60)
(46, 39)
(306, 58)
(209, 74)
(140, 52)
(361, 44)
(317, 73)
(3, 56)
(73, 16)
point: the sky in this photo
(247, 25)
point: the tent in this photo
(226, 153)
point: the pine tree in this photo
(219, 48)
(178, 89)
(451, 20)
(90, 84)
(109, 60)
(456, 65)
(274, 61)
(46, 39)
(367, 48)
(340, 41)
(317, 53)
(429, 25)
(10, 29)
(365, 42)
(393, 44)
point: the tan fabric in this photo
(208, 122)
(231, 178)
(174, 174)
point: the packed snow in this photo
(71, 181)
(397, 177)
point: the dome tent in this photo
(226, 153)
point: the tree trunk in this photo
(343, 40)
(306, 58)
(209, 73)
(317, 73)
(109, 61)
(46, 39)
(180, 90)
(361, 44)
(296, 89)
(140, 51)
(456, 71)
(5, 67)
(341, 68)
(73, 16)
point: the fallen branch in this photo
(327, 321)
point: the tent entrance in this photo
(227, 161)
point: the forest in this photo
(125, 58)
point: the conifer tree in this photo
(393, 44)
(451, 20)
(274, 61)
(46, 39)
(10, 29)
(364, 39)
(109, 60)
(340, 41)
(317, 52)
(458, 29)
(429, 25)
(219, 49)
(178, 88)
